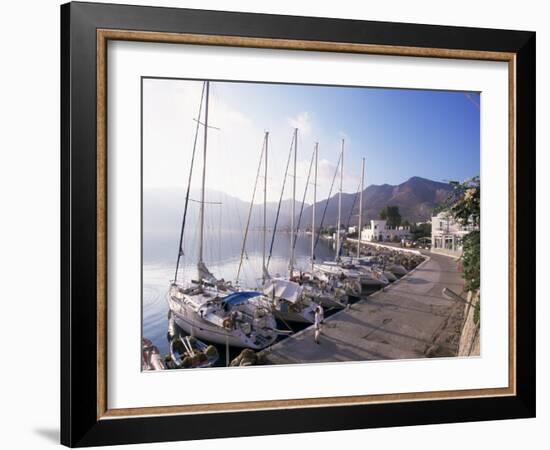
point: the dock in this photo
(410, 318)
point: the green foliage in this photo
(476, 313)
(470, 260)
(391, 215)
(421, 230)
(463, 202)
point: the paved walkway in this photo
(409, 319)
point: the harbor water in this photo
(222, 254)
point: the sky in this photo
(401, 133)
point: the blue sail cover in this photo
(239, 298)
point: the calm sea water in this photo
(222, 254)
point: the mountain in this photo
(416, 198)
(163, 209)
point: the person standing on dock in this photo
(319, 318)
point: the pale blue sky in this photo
(432, 134)
(401, 133)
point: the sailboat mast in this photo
(340, 202)
(280, 201)
(265, 206)
(180, 246)
(201, 235)
(313, 209)
(360, 209)
(245, 237)
(292, 236)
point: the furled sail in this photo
(283, 289)
(205, 275)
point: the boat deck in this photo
(410, 318)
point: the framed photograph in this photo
(276, 224)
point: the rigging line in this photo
(180, 247)
(469, 97)
(353, 204)
(303, 200)
(328, 200)
(280, 202)
(250, 211)
(220, 238)
(200, 264)
(206, 203)
(208, 126)
(350, 213)
(236, 209)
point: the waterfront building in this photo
(342, 234)
(447, 234)
(380, 231)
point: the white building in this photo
(342, 234)
(379, 230)
(447, 234)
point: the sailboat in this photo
(345, 268)
(208, 308)
(285, 297)
(327, 291)
(378, 277)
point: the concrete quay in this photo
(410, 318)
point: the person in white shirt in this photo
(319, 317)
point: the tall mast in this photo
(313, 209)
(340, 202)
(180, 247)
(201, 236)
(292, 236)
(280, 201)
(360, 209)
(258, 171)
(265, 205)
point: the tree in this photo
(464, 205)
(391, 215)
(422, 230)
(470, 260)
(463, 202)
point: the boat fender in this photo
(187, 362)
(227, 323)
(211, 351)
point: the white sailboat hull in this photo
(288, 301)
(291, 316)
(330, 302)
(398, 270)
(372, 282)
(390, 276)
(188, 320)
(366, 279)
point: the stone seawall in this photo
(469, 338)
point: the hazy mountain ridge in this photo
(163, 208)
(163, 211)
(416, 199)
